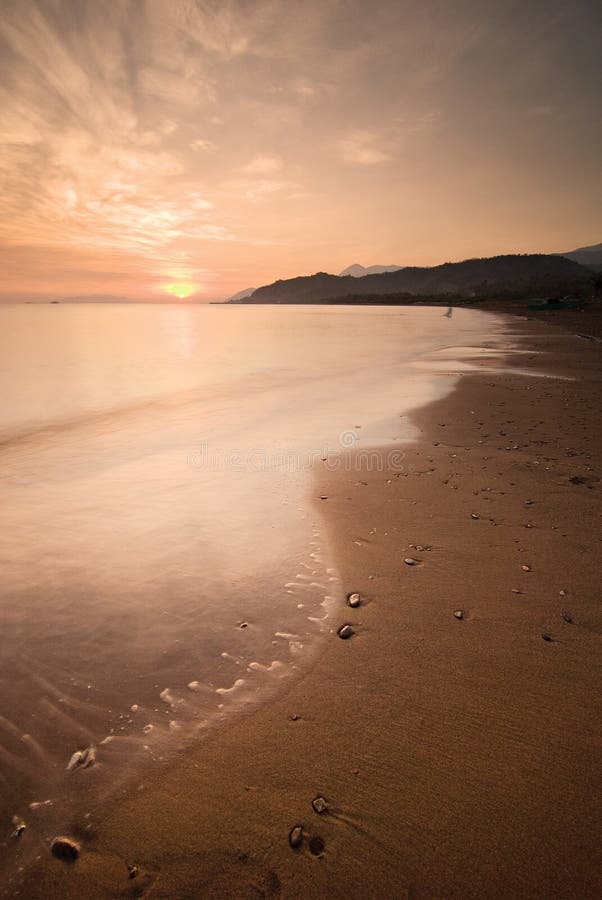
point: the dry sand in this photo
(459, 758)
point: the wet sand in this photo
(458, 757)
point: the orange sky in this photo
(204, 147)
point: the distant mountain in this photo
(240, 296)
(587, 256)
(358, 271)
(529, 275)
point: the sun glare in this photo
(181, 289)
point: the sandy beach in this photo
(458, 756)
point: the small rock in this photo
(316, 845)
(546, 637)
(244, 625)
(295, 837)
(133, 870)
(81, 759)
(410, 562)
(20, 827)
(294, 717)
(516, 591)
(567, 618)
(474, 516)
(323, 497)
(320, 805)
(562, 593)
(526, 568)
(65, 848)
(458, 614)
(75, 761)
(354, 600)
(345, 632)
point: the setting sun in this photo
(182, 289)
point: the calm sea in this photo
(162, 561)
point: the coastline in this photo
(457, 757)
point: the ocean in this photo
(164, 565)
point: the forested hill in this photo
(513, 275)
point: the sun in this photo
(181, 289)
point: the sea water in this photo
(163, 563)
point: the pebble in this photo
(295, 837)
(81, 759)
(567, 618)
(410, 562)
(316, 845)
(20, 827)
(526, 568)
(345, 632)
(294, 717)
(354, 600)
(458, 614)
(65, 848)
(320, 805)
(546, 637)
(474, 516)
(132, 870)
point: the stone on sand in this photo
(345, 632)
(65, 848)
(320, 805)
(295, 837)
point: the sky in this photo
(188, 149)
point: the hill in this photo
(587, 256)
(513, 276)
(359, 271)
(241, 295)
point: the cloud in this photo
(201, 145)
(362, 148)
(263, 165)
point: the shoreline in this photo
(456, 756)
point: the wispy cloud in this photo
(263, 165)
(147, 136)
(363, 148)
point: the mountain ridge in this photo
(510, 275)
(358, 271)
